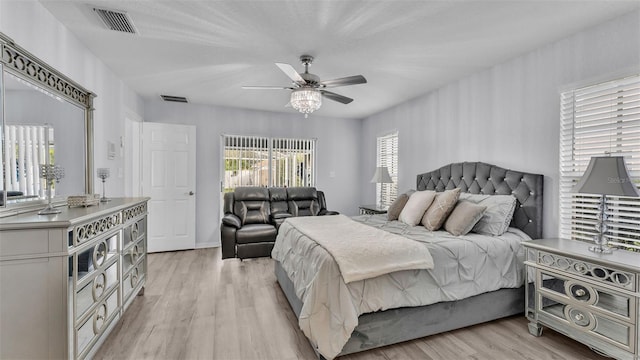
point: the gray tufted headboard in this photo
(482, 178)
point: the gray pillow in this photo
(441, 207)
(497, 217)
(463, 217)
(396, 207)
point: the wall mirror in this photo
(46, 119)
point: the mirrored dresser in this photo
(66, 279)
(593, 298)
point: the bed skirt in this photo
(392, 326)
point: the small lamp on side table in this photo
(605, 175)
(381, 176)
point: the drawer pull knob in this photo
(580, 292)
(578, 317)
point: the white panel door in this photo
(169, 179)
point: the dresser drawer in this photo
(94, 258)
(134, 232)
(132, 255)
(134, 278)
(97, 320)
(92, 292)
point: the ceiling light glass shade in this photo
(607, 175)
(306, 100)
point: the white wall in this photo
(507, 115)
(31, 26)
(338, 152)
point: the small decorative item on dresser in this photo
(103, 173)
(83, 200)
(50, 173)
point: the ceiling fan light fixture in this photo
(306, 100)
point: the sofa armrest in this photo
(328, 212)
(278, 218)
(232, 220)
(228, 241)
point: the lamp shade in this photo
(381, 175)
(607, 175)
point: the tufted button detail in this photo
(531, 193)
(489, 179)
(521, 205)
(530, 220)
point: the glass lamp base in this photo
(600, 249)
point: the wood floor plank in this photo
(197, 306)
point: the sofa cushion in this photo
(253, 212)
(278, 199)
(255, 233)
(304, 207)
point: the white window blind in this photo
(262, 161)
(387, 150)
(598, 120)
(25, 149)
(293, 162)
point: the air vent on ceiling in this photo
(116, 20)
(180, 99)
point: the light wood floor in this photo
(197, 306)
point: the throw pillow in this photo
(415, 207)
(463, 217)
(396, 207)
(442, 206)
(497, 217)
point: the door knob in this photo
(191, 193)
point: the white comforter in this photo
(368, 252)
(464, 266)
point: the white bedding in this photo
(464, 266)
(368, 252)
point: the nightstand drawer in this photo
(584, 324)
(605, 274)
(581, 293)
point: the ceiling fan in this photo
(307, 89)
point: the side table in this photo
(590, 297)
(372, 210)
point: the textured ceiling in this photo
(207, 50)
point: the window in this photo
(262, 161)
(596, 120)
(387, 150)
(26, 149)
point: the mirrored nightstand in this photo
(372, 209)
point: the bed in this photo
(424, 303)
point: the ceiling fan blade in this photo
(336, 97)
(291, 73)
(267, 88)
(349, 80)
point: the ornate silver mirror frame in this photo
(22, 64)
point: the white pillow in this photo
(417, 204)
(497, 217)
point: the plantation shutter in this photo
(598, 120)
(387, 149)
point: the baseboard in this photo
(207, 245)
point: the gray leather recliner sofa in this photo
(252, 216)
